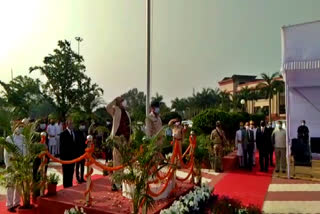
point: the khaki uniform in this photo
(153, 126)
(218, 139)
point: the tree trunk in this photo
(270, 108)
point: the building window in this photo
(282, 106)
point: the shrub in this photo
(204, 122)
(168, 116)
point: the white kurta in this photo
(52, 134)
(13, 196)
(239, 145)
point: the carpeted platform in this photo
(104, 200)
(248, 187)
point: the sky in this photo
(195, 43)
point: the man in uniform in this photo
(153, 122)
(219, 140)
(121, 126)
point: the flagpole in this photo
(148, 45)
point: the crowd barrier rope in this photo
(177, 158)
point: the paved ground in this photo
(300, 195)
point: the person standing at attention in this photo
(279, 138)
(219, 140)
(68, 152)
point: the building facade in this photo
(236, 83)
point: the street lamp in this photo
(79, 39)
(242, 102)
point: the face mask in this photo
(247, 127)
(157, 110)
(82, 127)
(18, 131)
(42, 126)
(302, 124)
(124, 103)
(177, 123)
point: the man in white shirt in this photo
(52, 134)
(59, 130)
(279, 139)
(13, 196)
(240, 144)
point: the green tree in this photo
(67, 83)
(270, 87)
(225, 101)
(163, 107)
(90, 97)
(136, 101)
(21, 93)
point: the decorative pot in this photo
(31, 210)
(52, 189)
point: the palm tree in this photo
(270, 87)
(225, 100)
(247, 94)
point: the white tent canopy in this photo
(301, 70)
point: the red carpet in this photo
(248, 187)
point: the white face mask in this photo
(177, 123)
(18, 131)
(303, 124)
(42, 126)
(82, 127)
(157, 110)
(124, 103)
(247, 127)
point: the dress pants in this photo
(281, 159)
(250, 148)
(270, 154)
(67, 170)
(264, 160)
(80, 169)
(13, 197)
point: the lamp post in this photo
(79, 39)
(243, 102)
(148, 45)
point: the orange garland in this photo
(176, 154)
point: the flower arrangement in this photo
(192, 202)
(75, 210)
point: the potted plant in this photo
(53, 180)
(20, 172)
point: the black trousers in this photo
(67, 170)
(264, 160)
(80, 170)
(250, 148)
(270, 154)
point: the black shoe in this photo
(283, 171)
(17, 206)
(12, 210)
(114, 188)
(83, 181)
(79, 181)
(272, 164)
(277, 171)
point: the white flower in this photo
(72, 210)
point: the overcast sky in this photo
(195, 43)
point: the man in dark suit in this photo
(271, 149)
(68, 152)
(81, 136)
(263, 145)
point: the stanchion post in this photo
(43, 164)
(89, 168)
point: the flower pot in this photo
(52, 189)
(31, 210)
